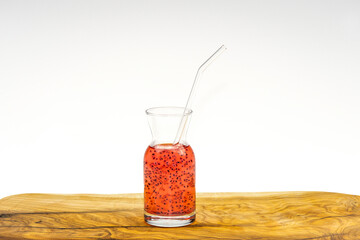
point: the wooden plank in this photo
(285, 215)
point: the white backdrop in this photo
(278, 111)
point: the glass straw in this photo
(199, 72)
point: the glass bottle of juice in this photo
(169, 171)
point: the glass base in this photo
(169, 221)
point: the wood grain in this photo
(285, 215)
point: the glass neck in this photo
(164, 127)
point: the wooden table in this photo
(284, 215)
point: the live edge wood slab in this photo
(284, 215)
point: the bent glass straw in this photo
(199, 72)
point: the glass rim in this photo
(167, 111)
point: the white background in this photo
(278, 111)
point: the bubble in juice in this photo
(169, 175)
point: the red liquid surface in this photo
(169, 175)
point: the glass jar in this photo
(169, 170)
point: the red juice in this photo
(169, 180)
